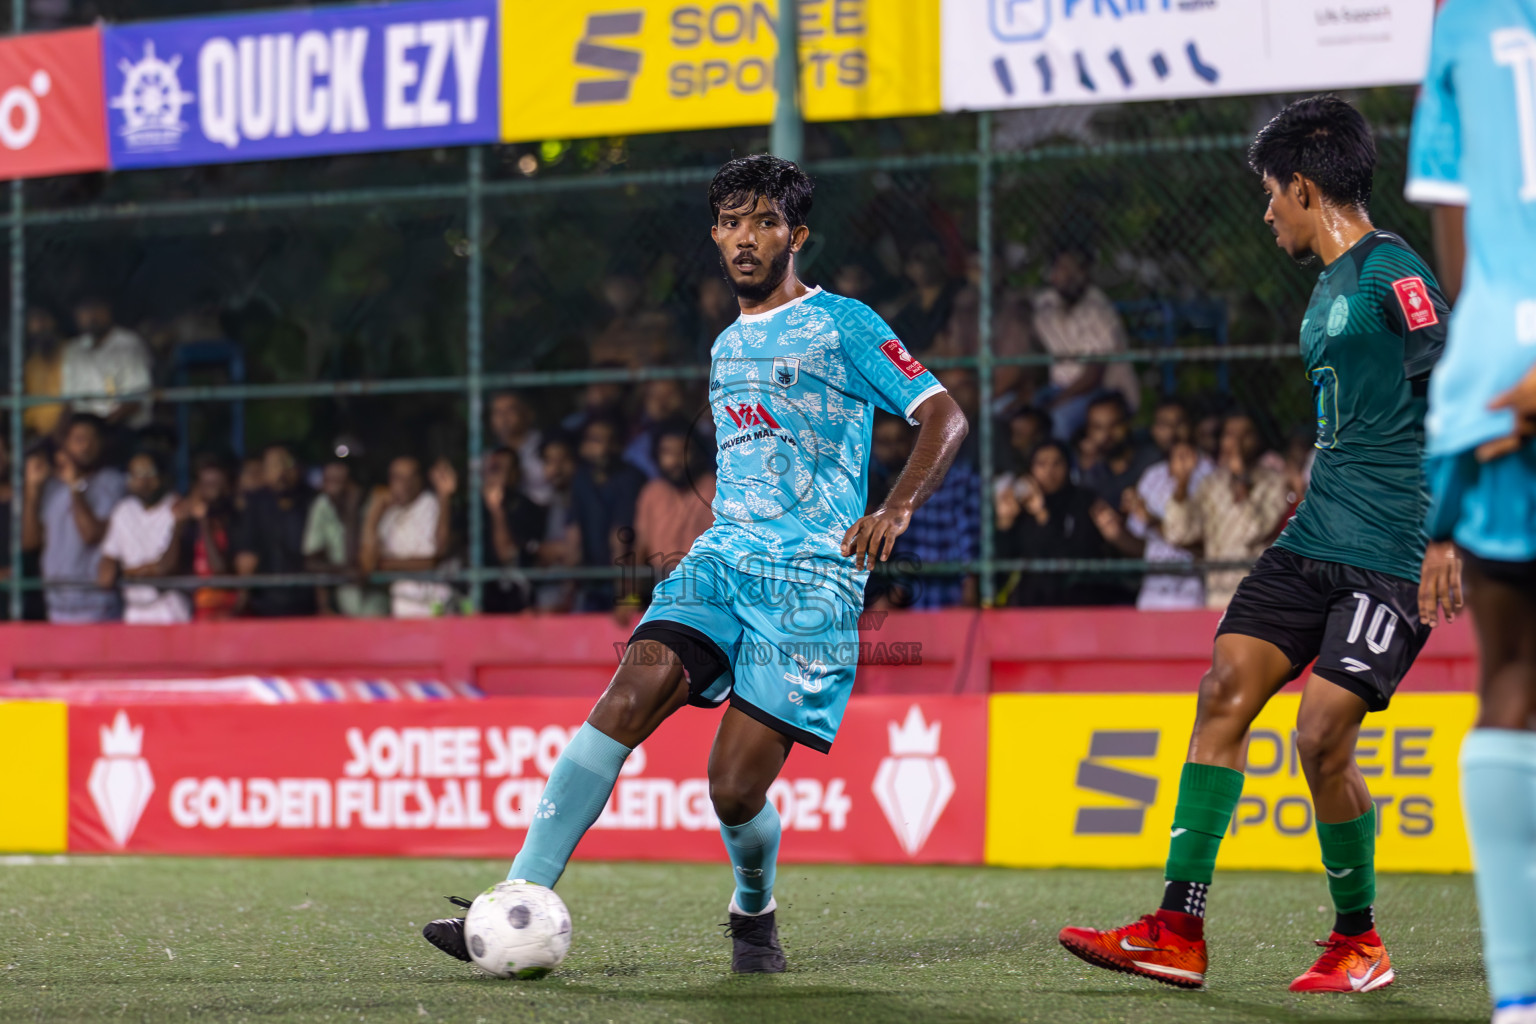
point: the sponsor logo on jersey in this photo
(897, 353)
(754, 414)
(1413, 297)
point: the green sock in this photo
(1207, 797)
(1349, 855)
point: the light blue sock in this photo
(1498, 787)
(578, 789)
(754, 850)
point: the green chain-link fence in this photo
(381, 299)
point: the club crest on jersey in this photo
(751, 414)
(1413, 297)
(897, 353)
(1338, 316)
(786, 370)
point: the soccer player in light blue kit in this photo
(1473, 155)
(762, 614)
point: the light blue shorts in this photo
(1489, 508)
(792, 648)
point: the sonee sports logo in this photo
(1101, 778)
(752, 414)
(594, 53)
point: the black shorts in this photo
(1361, 626)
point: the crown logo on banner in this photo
(121, 782)
(914, 784)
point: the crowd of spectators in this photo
(624, 477)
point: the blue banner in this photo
(301, 83)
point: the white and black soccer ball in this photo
(516, 929)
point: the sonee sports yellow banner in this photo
(1091, 781)
(580, 68)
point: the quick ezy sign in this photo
(302, 84)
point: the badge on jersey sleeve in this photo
(1413, 297)
(897, 353)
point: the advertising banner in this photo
(51, 119)
(904, 783)
(1091, 780)
(1030, 53)
(301, 83)
(601, 67)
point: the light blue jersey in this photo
(1474, 144)
(793, 392)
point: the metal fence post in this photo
(788, 137)
(984, 347)
(18, 341)
(474, 340)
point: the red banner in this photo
(51, 115)
(905, 782)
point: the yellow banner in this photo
(581, 68)
(34, 776)
(1091, 780)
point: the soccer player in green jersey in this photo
(1341, 585)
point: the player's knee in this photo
(1222, 695)
(736, 797)
(633, 705)
(1324, 747)
(1509, 697)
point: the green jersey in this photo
(1373, 331)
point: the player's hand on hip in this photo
(1520, 400)
(875, 535)
(1440, 584)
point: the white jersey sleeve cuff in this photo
(920, 399)
(1444, 193)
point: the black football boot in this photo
(755, 945)
(447, 933)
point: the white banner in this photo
(1032, 53)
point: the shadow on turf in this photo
(1378, 1011)
(800, 1003)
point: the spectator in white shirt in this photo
(1172, 428)
(145, 538)
(407, 530)
(109, 360)
(1074, 318)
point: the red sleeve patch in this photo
(897, 353)
(1418, 308)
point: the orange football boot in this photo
(1350, 963)
(1147, 948)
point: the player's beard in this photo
(778, 270)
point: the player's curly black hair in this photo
(1324, 139)
(741, 181)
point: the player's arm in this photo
(1449, 224)
(941, 429)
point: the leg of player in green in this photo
(1327, 728)
(1498, 782)
(1169, 946)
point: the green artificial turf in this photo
(140, 939)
